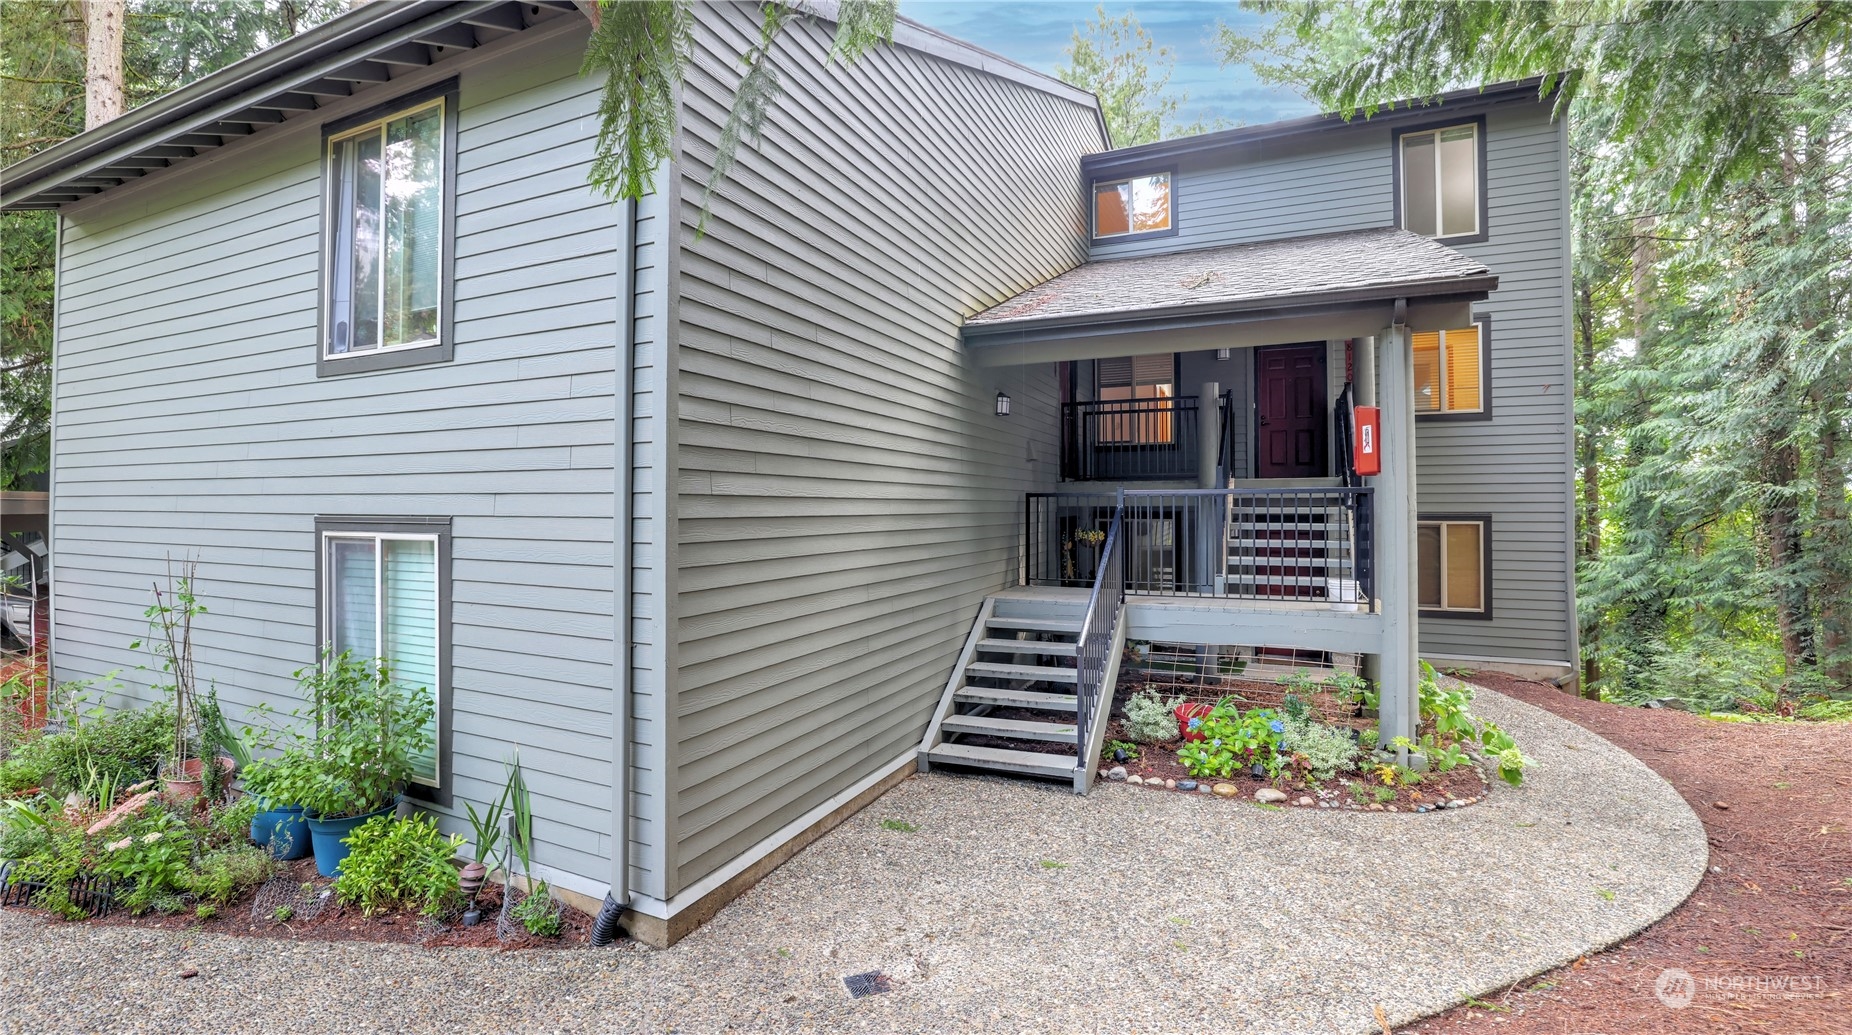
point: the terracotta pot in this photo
(190, 782)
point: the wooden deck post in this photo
(1395, 535)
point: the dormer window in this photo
(1132, 205)
(1441, 195)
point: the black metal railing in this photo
(1301, 544)
(1064, 536)
(1097, 629)
(1129, 440)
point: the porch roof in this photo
(1241, 281)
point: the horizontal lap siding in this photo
(1515, 467)
(191, 423)
(846, 495)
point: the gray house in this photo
(728, 532)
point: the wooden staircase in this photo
(1285, 554)
(1021, 656)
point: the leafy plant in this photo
(538, 912)
(223, 874)
(1321, 752)
(125, 748)
(393, 862)
(900, 825)
(1232, 741)
(170, 622)
(364, 735)
(152, 855)
(1149, 718)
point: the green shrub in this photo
(122, 748)
(222, 875)
(1326, 750)
(1149, 719)
(19, 774)
(151, 857)
(538, 912)
(229, 823)
(394, 862)
(1827, 711)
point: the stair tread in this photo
(1028, 729)
(1006, 759)
(1016, 698)
(1053, 625)
(998, 670)
(1029, 647)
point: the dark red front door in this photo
(1289, 381)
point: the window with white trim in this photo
(1133, 205)
(1449, 370)
(385, 236)
(1440, 181)
(1451, 565)
(383, 596)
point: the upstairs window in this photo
(387, 176)
(1441, 192)
(1135, 205)
(1450, 370)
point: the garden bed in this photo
(1374, 784)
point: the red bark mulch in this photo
(1767, 936)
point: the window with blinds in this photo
(1451, 565)
(1449, 370)
(1135, 205)
(1134, 394)
(385, 232)
(1440, 181)
(383, 601)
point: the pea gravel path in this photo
(1012, 907)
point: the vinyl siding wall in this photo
(1515, 466)
(846, 496)
(190, 423)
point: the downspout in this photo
(604, 926)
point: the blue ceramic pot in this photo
(286, 829)
(329, 837)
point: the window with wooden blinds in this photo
(1134, 394)
(1449, 370)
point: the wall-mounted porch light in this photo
(1221, 354)
(1003, 405)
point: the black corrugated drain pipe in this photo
(604, 925)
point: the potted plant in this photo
(170, 624)
(364, 735)
(279, 824)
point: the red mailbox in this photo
(1367, 449)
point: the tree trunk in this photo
(103, 92)
(1588, 449)
(1783, 521)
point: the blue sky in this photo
(1036, 33)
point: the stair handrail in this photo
(1105, 605)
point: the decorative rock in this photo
(1422, 808)
(1392, 808)
(1225, 790)
(1203, 788)
(1116, 773)
(1266, 795)
(1305, 801)
(1137, 781)
(1170, 785)
(1186, 785)
(1455, 803)
(1375, 807)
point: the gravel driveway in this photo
(1011, 907)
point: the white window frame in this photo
(328, 537)
(1482, 561)
(1401, 152)
(1170, 202)
(330, 260)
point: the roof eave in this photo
(1324, 122)
(1016, 332)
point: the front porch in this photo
(1210, 491)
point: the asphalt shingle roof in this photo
(1280, 272)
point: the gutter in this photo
(1012, 332)
(605, 924)
(248, 77)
